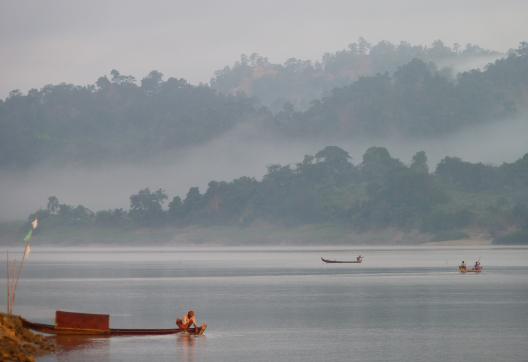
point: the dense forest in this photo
(115, 119)
(417, 100)
(299, 82)
(327, 188)
(118, 119)
(371, 92)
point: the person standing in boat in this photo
(463, 265)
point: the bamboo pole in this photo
(13, 290)
(14, 270)
(17, 274)
(8, 285)
(13, 286)
(12, 275)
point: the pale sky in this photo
(45, 41)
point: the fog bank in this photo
(245, 151)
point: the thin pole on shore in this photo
(8, 287)
(12, 273)
(13, 286)
(18, 272)
(14, 270)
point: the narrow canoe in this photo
(341, 261)
(51, 329)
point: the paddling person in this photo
(188, 321)
(359, 259)
(463, 265)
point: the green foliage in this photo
(299, 82)
(113, 119)
(117, 119)
(445, 219)
(53, 204)
(327, 189)
(450, 235)
(519, 237)
(416, 100)
(112, 218)
(146, 207)
(465, 175)
(419, 163)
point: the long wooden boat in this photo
(69, 323)
(329, 261)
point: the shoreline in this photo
(258, 234)
(461, 242)
(18, 343)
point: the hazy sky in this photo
(45, 42)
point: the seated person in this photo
(189, 320)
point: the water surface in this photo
(263, 304)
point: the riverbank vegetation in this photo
(378, 193)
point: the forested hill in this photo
(119, 119)
(327, 188)
(417, 100)
(298, 82)
(114, 119)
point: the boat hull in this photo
(328, 261)
(473, 270)
(51, 329)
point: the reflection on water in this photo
(82, 348)
(68, 343)
(401, 304)
(186, 343)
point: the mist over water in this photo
(244, 151)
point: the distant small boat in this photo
(70, 323)
(464, 269)
(358, 260)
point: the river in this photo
(283, 304)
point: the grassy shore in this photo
(18, 343)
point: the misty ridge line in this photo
(298, 82)
(438, 52)
(117, 119)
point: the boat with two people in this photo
(463, 268)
